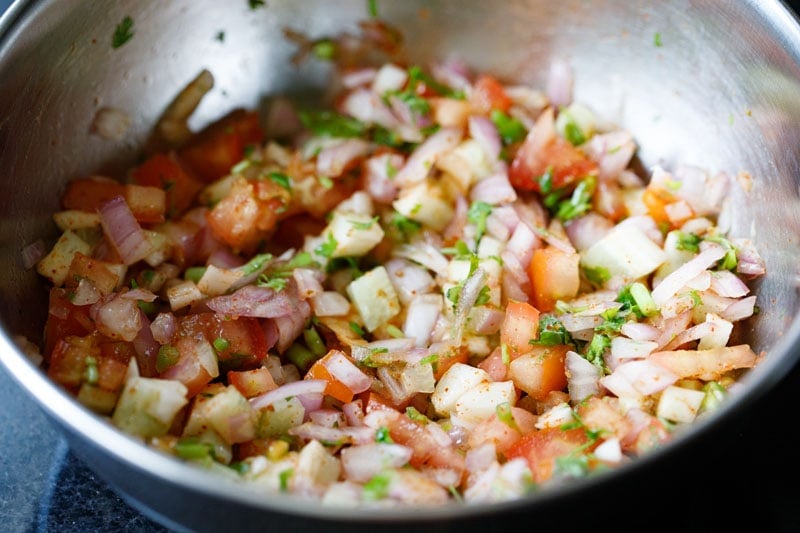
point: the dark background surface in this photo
(745, 475)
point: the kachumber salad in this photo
(442, 287)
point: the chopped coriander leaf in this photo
(122, 33)
(580, 202)
(148, 276)
(715, 394)
(551, 332)
(484, 297)
(326, 182)
(372, 8)
(327, 248)
(429, 360)
(281, 179)
(612, 324)
(276, 284)
(220, 344)
(597, 275)
(220, 36)
(546, 181)
(416, 76)
(341, 263)
(510, 129)
(460, 250)
(381, 135)
(302, 259)
(405, 225)
(689, 242)
(255, 4)
(477, 214)
(240, 166)
(191, 448)
(391, 170)
(596, 348)
(364, 225)
(240, 467)
(331, 124)
(416, 416)
(194, 273)
(574, 466)
(504, 355)
(418, 105)
(382, 435)
(324, 49)
(505, 415)
(356, 328)
(453, 293)
(657, 40)
(256, 263)
(377, 488)
(147, 307)
(695, 296)
(283, 477)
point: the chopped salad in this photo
(443, 287)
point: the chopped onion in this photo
(334, 160)
(409, 279)
(295, 388)
(124, 232)
(252, 301)
(345, 435)
(559, 83)
(740, 309)
(675, 281)
(330, 303)
(341, 368)
(111, 123)
(485, 132)
(32, 253)
(582, 377)
(494, 190)
(164, 327)
(424, 156)
(421, 316)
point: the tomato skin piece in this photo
(212, 153)
(163, 170)
(488, 94)
(88, 194)
(64, 319)
(541, 449)
(245, 343)
(520, 326)
(554, 275)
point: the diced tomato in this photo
(503, 433)
(427, 450)
(111, 374)
(68, 360)
(445, 360)
(554, 275)
(520, 326)
(488, 94)
(252, 382)
(248, 213)
(541, 449)
(540, 371)
(373, 401)
(164, 171)
(148, 204)
(214, 151)
(251, 448)
(64, 319)
(189, 369)
(88, 194)
(656, 199)
(545, 152)
(335, 388)
(85, 267)
(240, 343)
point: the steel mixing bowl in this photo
(720, 89)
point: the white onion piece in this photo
(32, 253)
(309, 282)
(740, 309)
(467, 297)
(424, 156)
(485, 133)
(111, 123)
(124, 231)
(647, 225)
(117, 318)
(369, 108)
(362, 463)
(409, 280)
(252, 301)
(645, 376)
(559, 83)
(421, 316)
(139, 294)
(494, 190)
(333, 160)
(522, 243)
(341, 368)
(582, 377)
(326, 417)
(311, 402)
(453, 73)
(573, 322)
(330, 303)
(481, 458)
(164, 327)
(291, 326)
(675, 281)
(383, 347)
(719, 335)
(639, 331)
(353, 413)
(701, 282)
(295, 388)
(362, 76)
(612, 151)
(379, 184)
(486, 320)
(727, 284)
(672, 326)
(347, 434)
(609, 451)
(556, 416)
(425, 254)
(85, 293)
(624, 349)
(584, 231)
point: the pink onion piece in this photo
(639, 331)
(164, 327)
(380, 171)
(740, 309)
(409, 279)
(582, 377)
(728, 284)
(252, 301)
(86, 293)
(455, 229)
(295, 388)
(612, 151)
(494, 190)
(139, 294)
(330, 303)
(333, 160)
(485, 133)
(362, 463)
(291, 326)
(646, 377)
(486, 320)
(354, 412)
(466, 299)
(584, 231)
(421, 161)
(356, 78)
(673, 282)
(345, 435)
(326, 417)
(422, 313)
(118, 318)
(559, 83)
(123, 230)
(146, 347)
(311, 401)
(33, 253)
(309, 282)
(341, 368)
(369, 108)
(224, 258)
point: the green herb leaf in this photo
(372, 8)
(255, 4)
(324, 49)
(382, 435)
(255, 264)
(364, 225)
(327, 248)
(283, 477)
(597, 275)
(511, 130)
(167, 356)
(477, 214)
(281, 179)
(551, 332)
(356, 328)
(377, 488)
(122, 33)
(689, 242)
(330, 124)
(579, 202)
(657, 40)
